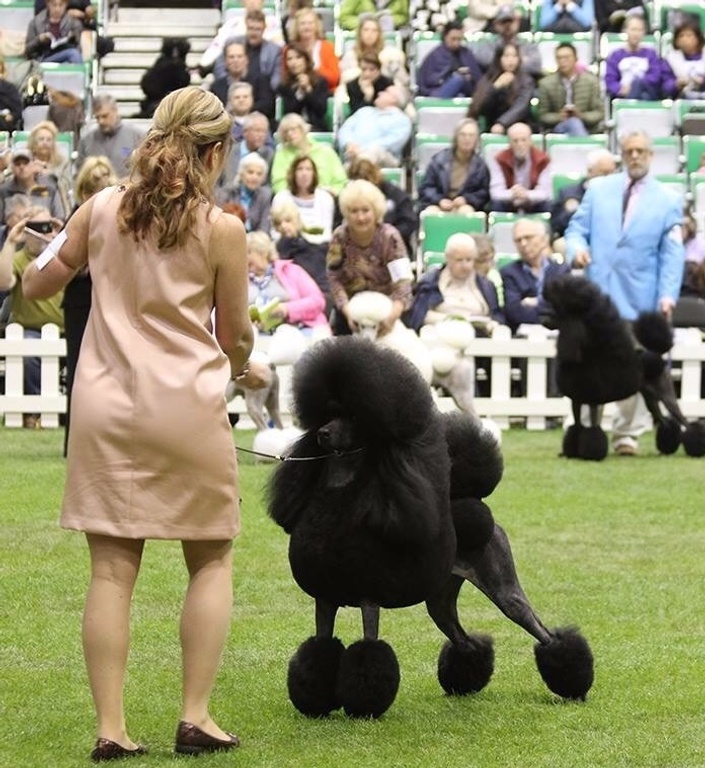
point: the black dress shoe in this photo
(110, 750)
(191, 740)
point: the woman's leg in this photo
(205, 622)
(115, 564)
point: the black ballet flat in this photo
(191, 740)
(105, 749)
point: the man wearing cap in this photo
(506, 25)
(111, 136)
(28, 179)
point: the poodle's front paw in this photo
(313, 671)
(368, 679)
(668, 436)
(466, 667)
(566, 663)
(694, 439)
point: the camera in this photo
(42, 227)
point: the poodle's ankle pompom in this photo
(466, 667)
(694, 439)
(668, 436)
(313, 671)
(592, 444)
(368, 678)
(570, 442)
(566, 664)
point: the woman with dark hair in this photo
(148, 404)
(503, 95)
(316, 205)
(687, 61)
(302, 89)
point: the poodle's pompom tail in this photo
(694, 439)
(566, 664)
(368, 679)
(653, 332)
(313, 671)
(476, 456)
(668, 436)
(466, 667)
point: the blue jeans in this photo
(573, 126)
(455, 85)
(67, 56)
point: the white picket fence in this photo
(533, 407)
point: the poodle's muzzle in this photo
(339, 437)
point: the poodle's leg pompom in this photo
(313, 670)
(668, 436)
(368, 679)
(570, 441)
(694, 439)
(593, 444)
(466, 667)
(566, 663)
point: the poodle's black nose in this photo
(324, 437)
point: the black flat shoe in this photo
(191, 740)
(110, 750)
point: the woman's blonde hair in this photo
(285, 210)
(96, 173)
(300, 14)
(360, 190)
(261, 242)
(45, 125)
(170, 176)
(379, 45)
(291, 120)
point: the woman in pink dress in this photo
(150, 451)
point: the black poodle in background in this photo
(602, 359)
(382, 498)
(168, 73)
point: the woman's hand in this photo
(17, 235)
(504, 80)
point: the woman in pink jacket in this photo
(281, 291)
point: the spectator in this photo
(255, 138)
(376, 125)
(570, 100)
(456, 290)
(303, 90)
(400, 211)
(627, 236)
(485, 263)
(506, 25)
(457, 178)
(168, 73)
(294, 141)
(111, 137)
(611, 14)
(520, 176)
(566, 16)
(366, 254)
(251, 192)
(235, 28)
(686, 59)
(286, 289)
(264, 57)
(503, 95)
(43, 145)
(28, 177)
(307, 32)
(236, 71)
(482, 13)
(54, 35)
(600, 162)
(10, 102)
(693, 241)
(450, 69)
(289, 9)
(240, 104)
(316, 206)
(369, 39)
(391, 15)
(523, 280)
(292, 245)
(20, 249)
(635, 71)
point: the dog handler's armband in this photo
(400, 269)
(50, 251)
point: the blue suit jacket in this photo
(519, 282)
(641, 263)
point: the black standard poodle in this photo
(601, 358)
(382, 499)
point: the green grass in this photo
(615, 547)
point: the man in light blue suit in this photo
(626, 233)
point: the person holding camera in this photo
(569, 99)
(29, 177)
(450, 69)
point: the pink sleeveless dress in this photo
(150, 451)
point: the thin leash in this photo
(284, 457)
